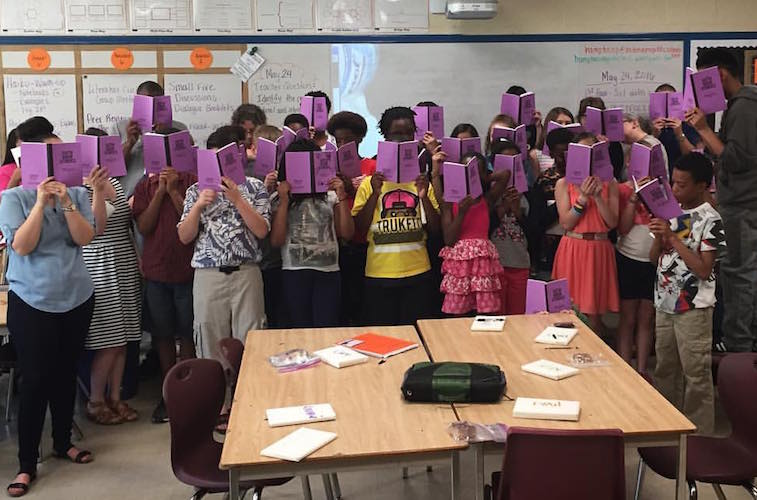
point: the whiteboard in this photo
(51, 96)
(203, 102)
(107, 99)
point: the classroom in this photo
(378, 249)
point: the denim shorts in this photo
(170, 309)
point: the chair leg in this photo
(257, 493)
(429, 468)
(692, 490)
(198, 494)
(752, 489)
(404, 473)
(718, 491)
(639, 478)
(306, 493)
(327, 487)
(336, 486)
(9, 396)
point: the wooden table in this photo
(374, 425)
(614, 396)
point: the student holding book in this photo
(560, 115)
(296, 121)
(320, 136)
(633, 132)
(225, 227)
(617, 157)
(307, 228)
(249, 117)
(399, 288)
(678, 137)
(736, 148)
(32, 128)
(585, 256)
(50, 304)
(684, 250)
(499, 121)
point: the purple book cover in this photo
(514, 165)
(454, 177)
(208, 170)
(558, 296)
(67, 166)
(89, 153)
(521, 139)
(429, 118)
(288, 136)
(266, 158)
(231, 166)
(162, 112)
(386, 160)
(612, 121)
(180, 151)
(689, 101)
(453, 148)
(111, 155)
(638, 166)
(708, 90)
(577, 163)
(474, 179)
(409, 162)
(658, 105)
(601, 166)
(155, 152)
(593, 122)
(527, 108)
(349, 160)
(504, 133)
(576, 128)
(142, 112)
(329, 146)
(510, 106)
(675, 105)
(536, 297)
(421, 121)
(299, 171)
(470, 145)
(657, 166)
(314, 109)
(324, 169)
(658, 198)
(34, 164)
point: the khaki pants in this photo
(226, 305)
(684, 370)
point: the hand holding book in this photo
(660, 228)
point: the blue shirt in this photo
(53, 277)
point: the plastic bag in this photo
(476, 433)
(587, 360)
(292, 360)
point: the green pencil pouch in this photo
(453, 382)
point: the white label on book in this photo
(546, 409)
(299, 444)
(291, 415)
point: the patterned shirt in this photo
(677, 288)
(224, 239)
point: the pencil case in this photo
(453, 382)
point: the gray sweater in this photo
(737, 176)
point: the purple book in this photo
(329, 146)
(456, 148)
(552, 296)
(475, 189)
(647, 162)
(657, 167)
(208, 170)
(612, 123)
(593, 121)
(515, 135)
(675, 105)
(519, 107)
(455, 182)
(111, 155)
(35, 166)
(349, 160)
(576, 128)
(659, 200)
(708, 90)
(398, 161)
(324, 169)
(150, 111)
(180, 155)
(89, 153)
(601, 166)
(231, 166)
(577, 163)
(66, 161)
(266, 158)
(429, 118)
(514, 165)
(162, 112)
(299, 171)
(689, 101)
(314, 109)
(658, 105)
(155, 152)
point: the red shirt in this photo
(367, 167)
(164, 259)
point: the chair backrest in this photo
(737, 387)
(570, 465)
(193, 391)
(232, 350)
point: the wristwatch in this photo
(70, 208)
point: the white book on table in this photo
(546, 409)
(298, 444)
(556, 336)
(340, 356)
(549, 369)
(305, 414)
(488, 324)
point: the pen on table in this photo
(562, 347)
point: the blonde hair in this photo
(266, 132)
(506, 120)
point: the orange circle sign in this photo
(121, 58)
(38, 59)
(201, 58)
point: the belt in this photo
(586, 236)
(228, 269)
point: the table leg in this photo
(478, 450)
(682, 488)
(233, 484)
(456, 493)
(306, 493)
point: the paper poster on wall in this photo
(339, 15)
(222, 16)
(107, 99)
(404, 16)
(284, 16)
(96, 16)
(161, 16)
(37, 16)
(51, 96)
(203, 102)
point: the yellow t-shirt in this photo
(396, 238)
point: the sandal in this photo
(99, 413)
(83, 457)
(23, 487)
(222, 423)
(123, 410)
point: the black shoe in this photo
(160, 415)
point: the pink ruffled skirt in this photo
(471, 277)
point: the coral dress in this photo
(471, 269)
(589, 265)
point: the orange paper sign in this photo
(121, 58)
(38, 59)
(201, 58)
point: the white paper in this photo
(556, 336)
(203, 102)
(293, 415)
(546, 409)
(284, 16)
(108, 99)
(31, 16)
(247, 65)
(340, 356)
(161, 16)
(344, 15)
(299, 444)
(16, 152)
(549, 369)
(401, 15)
(96, 16)
(222, 16)
(51, 96)
(488, 324)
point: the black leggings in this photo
(48, 346)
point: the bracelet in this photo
(681, 137)
(578, 209)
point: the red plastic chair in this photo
(570, 465)
(194, 391)
(730, 460)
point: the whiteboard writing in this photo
(107, 99)
(51, 96)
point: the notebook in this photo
(340, 356)
(378, 346)
(488, 323)
(546, 409)
(299, 444)
(292, 415)
(556, 336)
(549, 369)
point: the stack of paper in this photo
(299, 444)
(546, 409)
(292, 415)
(549, 369)
(556, 336)
(340, 356)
